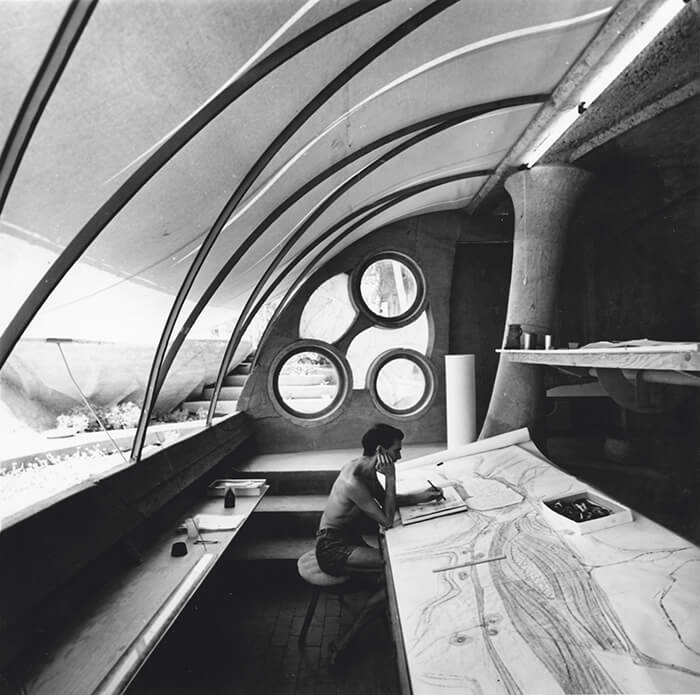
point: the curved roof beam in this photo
(464, 114)
(489, 42)
(390, 199)
(246, 313)
(114, 204)
(40, 91)
(380, 47)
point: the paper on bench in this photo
(218, 522)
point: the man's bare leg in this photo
(363, 559)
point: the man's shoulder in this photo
(353, 463)
(348, 473)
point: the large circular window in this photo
(401, 382)
(309, 381)
(389, 287)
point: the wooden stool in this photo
(311, 573)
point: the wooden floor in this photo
(239, 635)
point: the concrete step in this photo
(316, 390)
(308, 405)
(222, 407)
(228, 393)
(290, 482)
(279, 516)
(301, 379)
(248, 547)
(235, 380)
(277, 504)
(306, 472)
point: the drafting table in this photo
(616, 610)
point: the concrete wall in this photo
(632, 266)
(60, 550)
(430, 241)
(481, 278)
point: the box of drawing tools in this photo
(584, 511)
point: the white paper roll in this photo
(460, 387)
(500, 441)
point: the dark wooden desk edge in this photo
(150, 646)
(129, 661)
(395, 622)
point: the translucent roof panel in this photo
(136, 73)
(27, 29)
(266, 246)
(512, 52)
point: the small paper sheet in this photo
(430, 510)
(218, 522)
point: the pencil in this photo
(469, 564)
(436, 488)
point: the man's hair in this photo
(382, 434)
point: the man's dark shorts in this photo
(333, 549)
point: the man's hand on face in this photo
(384, 462)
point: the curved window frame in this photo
(424, 365)
(389, 321)
(334, 409)
(352, 303)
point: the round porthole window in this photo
(389, 287)
(401, 382)
(310, 381)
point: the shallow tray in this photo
(619, 513)
(243, 487)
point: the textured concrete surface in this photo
(544, 200)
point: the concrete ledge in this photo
(47, 548)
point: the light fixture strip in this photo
(601, 78)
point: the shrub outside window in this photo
(389, 288)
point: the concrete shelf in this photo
(671, 357)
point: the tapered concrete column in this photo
(544, 199)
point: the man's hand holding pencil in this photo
(435, 492)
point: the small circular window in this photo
(390, 288)
(401, 382)
(309, 381)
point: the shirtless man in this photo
(356, 492)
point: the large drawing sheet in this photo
(611, 611)
(452, 504)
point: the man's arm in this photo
(364, 500)
(428, 495)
